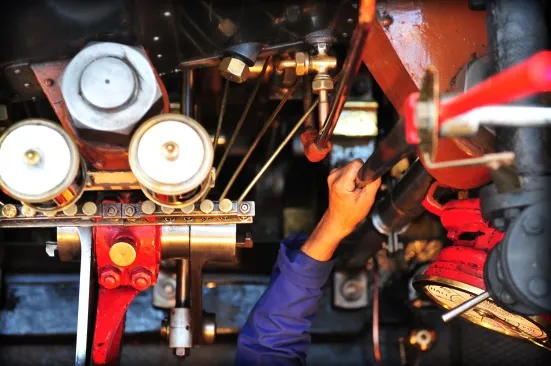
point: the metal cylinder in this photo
(517, 30)
(40, 165)
(403, 204)
(182, 284)
(108, 89)
(171, 156)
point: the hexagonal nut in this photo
(109, 278)
(141, 279)
(325, 83)
(234, 70)
(110, 111)
(303, 63)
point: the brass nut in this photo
(303, 63)
(325, 83)
(234, 70)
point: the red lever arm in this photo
(528, 77)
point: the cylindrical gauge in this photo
(171, 156)
(40, 165)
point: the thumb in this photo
(349, 175)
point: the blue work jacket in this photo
(277, 330)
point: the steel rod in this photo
(261, 134)
(186, 104)
(243, 117)
(182, 284)
(278, 150)
(467, 305)
(221, 114)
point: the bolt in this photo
(155, 39)
(538, 286)
(109, 278)
(244, 207)
(141, 279)
(9, 211)
(167, 14)
(70, 211)
(27, 85)
(49, 83)
(352, 290)
(180, 351)
(111, 211)
(170, 151)
(344, 35)
(89, 208)
(234, 70)
(206, 206)
(159, 56)
(129, 211)
(32, 157)
(17, 71)
(533, 224)
(122, 253)
(350, 20)
(148, 207)
(28, 211)
(225, 205)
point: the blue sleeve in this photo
(276, 332)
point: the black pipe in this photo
(517, 30)
(186, 104)
(403, 204)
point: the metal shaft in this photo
(186, 104)
(278, 150)
(221, 114)
(182, 284)
(267, 125)
(243, 117)
(455, 312)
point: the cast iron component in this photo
(40, 165)
(108, 89)
(171, 155)
(396, 210)
(517, 270)
(517, 30)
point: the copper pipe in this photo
(349, 70)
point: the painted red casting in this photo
(120, 285)
(472, 240)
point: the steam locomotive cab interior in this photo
(153, 155)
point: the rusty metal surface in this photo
(410, 36)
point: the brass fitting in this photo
(234, 69)
(322, 82)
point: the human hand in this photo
(348, 204)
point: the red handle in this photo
(529, 77)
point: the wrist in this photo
(325, 239)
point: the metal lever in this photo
(467, 305)
(84, 293)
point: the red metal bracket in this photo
(121, 284)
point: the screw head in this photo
(129, 211)
(111, 211)
(9, 210)
(28, 211)
(352, 290)
(244, 207)
(148, 207)
(89, 208)
(206, 206)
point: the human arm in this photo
(277, 330)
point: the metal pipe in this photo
(186, 104)
(221, 114)
(267, 125)
(182, 283)
(349, 70)
(278, 150)
(270, 50)
(403, 204)
(323, 109)
(307, 99)
(467, 305)
(389, 152)
(243, 117)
